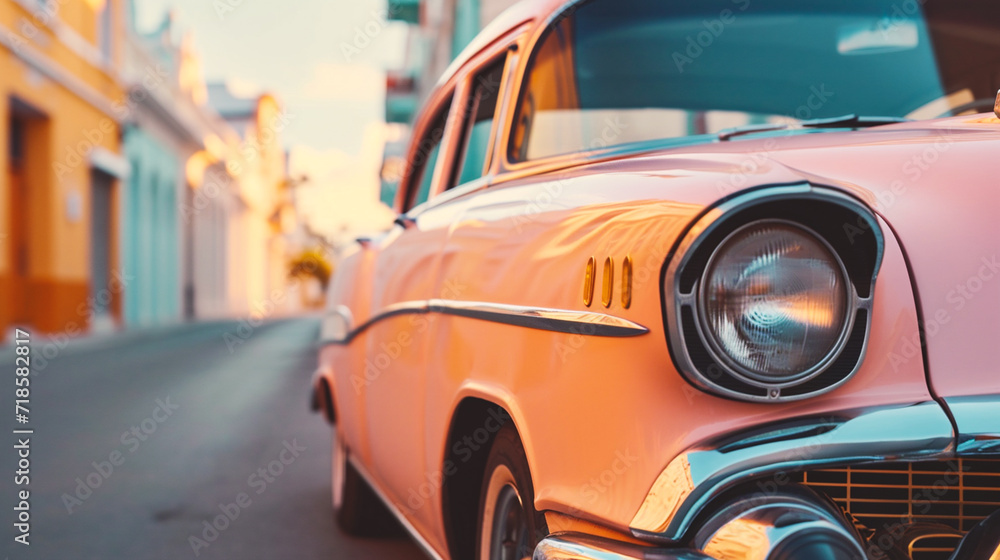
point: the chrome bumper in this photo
(576, 546)
(978, 424)
(695, 478)
(982, 543)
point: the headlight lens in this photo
(774, 302)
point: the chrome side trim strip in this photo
(568, 321)
(557, 320)
(576, 546)
(405, 308)
(695, 478)
(978, 424)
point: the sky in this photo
(296, 48)
(325, 60)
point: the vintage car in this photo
(686, 279)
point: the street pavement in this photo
(142, 440)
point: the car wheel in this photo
(509, 526)
(357, 508)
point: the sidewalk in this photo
(51, 345)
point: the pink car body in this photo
(477, 302)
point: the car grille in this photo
(934, 547)
(958, 493)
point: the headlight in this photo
(767, 297)
(775, 302)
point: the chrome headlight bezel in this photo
(827, 215)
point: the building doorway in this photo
(27, 166)
(17, 236)
(101, 189)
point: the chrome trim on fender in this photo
(557, 320)
(568, 321)
(695, 478)
(576, 546)
(978, 424)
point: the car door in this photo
(398, 341)
(480, 98)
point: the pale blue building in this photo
(150, 222)
(161, 134)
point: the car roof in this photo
(523, 12)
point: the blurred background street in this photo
(178, 180)
(229, 411)
(183, 160)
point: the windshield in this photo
(611, 72)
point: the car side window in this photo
(480, 108)
(427, 175)
(425, 158)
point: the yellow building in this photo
(61, 110)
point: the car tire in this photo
(509, 527)
(357, 508)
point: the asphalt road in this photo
(140, 439)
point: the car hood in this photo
(937, 185)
